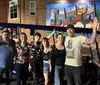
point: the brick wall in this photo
(3, 13)
(25, 18)
(39, 19)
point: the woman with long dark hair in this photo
(59, 54)
(46, 56)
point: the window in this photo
(32, 8)
(13, 9)
(13, 12)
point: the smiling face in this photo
(45, 42)
(60, 38)
(70, 32)
(36, 38)
(23, 37)
(6, 36)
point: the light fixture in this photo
(83, 1)
(62, 0)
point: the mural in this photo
(78, 13)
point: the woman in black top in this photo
(59, 58)
(46, 55)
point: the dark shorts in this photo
(46, 67)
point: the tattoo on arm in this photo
(91, 40)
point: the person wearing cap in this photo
(7, 51)
(73, 45)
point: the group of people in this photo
(61, 59)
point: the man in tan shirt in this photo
(73, 46)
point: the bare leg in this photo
(46, 77)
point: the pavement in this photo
(29, 81)
(13, 81)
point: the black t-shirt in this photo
(59, 56)
(46, 56)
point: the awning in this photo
(44, 27)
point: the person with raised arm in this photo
(73, 46)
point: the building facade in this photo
(28, 12)
(3, 13)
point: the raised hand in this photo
(95, 23)
(54, 31)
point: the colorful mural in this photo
(78, 13)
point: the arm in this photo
(51, 34)
(29, 67)
(91, 40)
(50, 50)
(15, 53)
(50, 65)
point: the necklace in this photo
(45, 50)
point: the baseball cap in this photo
(5, 30)
(70, 26)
